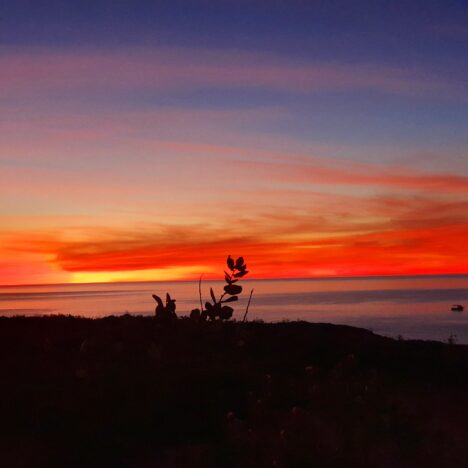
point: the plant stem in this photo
(222, 295)
(221, 298)
(199, 292)
(247, 308)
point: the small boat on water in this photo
(457, 308)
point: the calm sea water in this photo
(413, 307)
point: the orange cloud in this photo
(290, 214)
(394, 236)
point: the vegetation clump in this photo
(126, 392)
(165, 312)
(217, 309)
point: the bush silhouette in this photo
(165, 313)
(217, 309)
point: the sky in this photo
(147, 140)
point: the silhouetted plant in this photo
(217, 309)
(165, 313)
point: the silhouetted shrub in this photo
(165, 313)
(218, 310)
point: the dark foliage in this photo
(165, 313)
(131, 392)
(217, 309)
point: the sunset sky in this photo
(146, 140)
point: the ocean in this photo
(416, 307)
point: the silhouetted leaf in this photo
(212, 310)
(239, 262)
(233, 289)
(226, 313)
(213, 295)
(227, 278)
(230, 299)
(240, 274)
(158, 300)
(230, 263)
(171, 307)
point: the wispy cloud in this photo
(27, 73)
(365, 175)
(144, 160)
(389, 236)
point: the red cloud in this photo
(421, 236)
(317, 172)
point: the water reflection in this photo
(414, 307)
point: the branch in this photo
(199, 292)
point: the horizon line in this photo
(290, 278)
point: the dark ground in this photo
(130, 392)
